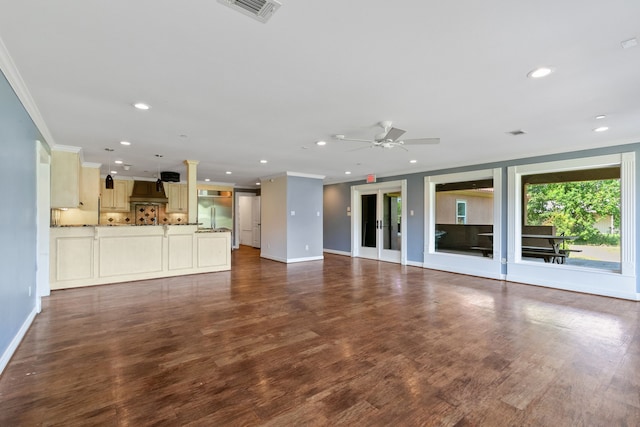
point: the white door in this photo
(255, 221)
(246, 220)
(378, 231)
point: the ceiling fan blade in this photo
(396, 144)
(343, 138)
(359, 148)
(393, 134)
(422, 141)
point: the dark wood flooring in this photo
(336, 342)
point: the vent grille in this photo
(261, 10)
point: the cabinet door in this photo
(107, 199)
(177, 195)
(65, 179)
(121, 195)
(116, 199)
(184, 191)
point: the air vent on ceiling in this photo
(262, 10)
(517, 132)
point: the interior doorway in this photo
(378, 227)
(249, 220)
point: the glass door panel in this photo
(390, 217)
(369, 218)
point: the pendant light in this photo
(159, 181)
(108, 182)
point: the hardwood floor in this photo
(336, 342)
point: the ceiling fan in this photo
(389, 138)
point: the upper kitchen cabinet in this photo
(116, 199)
(89, 187)
(177, 195)
(65, 179)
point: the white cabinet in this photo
(117, 198)
(65, 179)
(177, 195)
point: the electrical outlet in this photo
(306, 248)
(29, 290)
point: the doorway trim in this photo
(356, 210)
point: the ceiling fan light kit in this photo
(389, 138)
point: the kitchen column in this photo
(192, 190)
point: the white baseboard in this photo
(331, 251)
(15, 342)
(273, 258)
(414, 263)
(292, 260)
(311, 258)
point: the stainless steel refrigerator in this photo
(215, 209)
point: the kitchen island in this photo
(96, 255)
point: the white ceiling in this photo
(229, 91)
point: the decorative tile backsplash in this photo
(145, 217)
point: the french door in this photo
(378, 226)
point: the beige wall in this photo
(479, 206)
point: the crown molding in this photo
(305, 175)
(67, 148)
(16, 81)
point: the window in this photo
(463, 222)
(575, 206)
(461, 212)
(581, 203)
(464, 216)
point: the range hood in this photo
(145, 192)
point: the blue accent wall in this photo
(304, 229)
(337, 225)
(336, 221)
(17, 215)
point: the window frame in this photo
(620, 284)
(460, 263)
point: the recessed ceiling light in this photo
(118, 162)
(141, 106)
(600, 117)
(601, 129)
(413, 161)
(626, 44)
(540, 72)
(257, 183)
(125, 143)
(114, 172)
(347, 173)
(263, 161)
(228, 172)
(321, 143)
(207, 180)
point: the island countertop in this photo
(95, 255)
